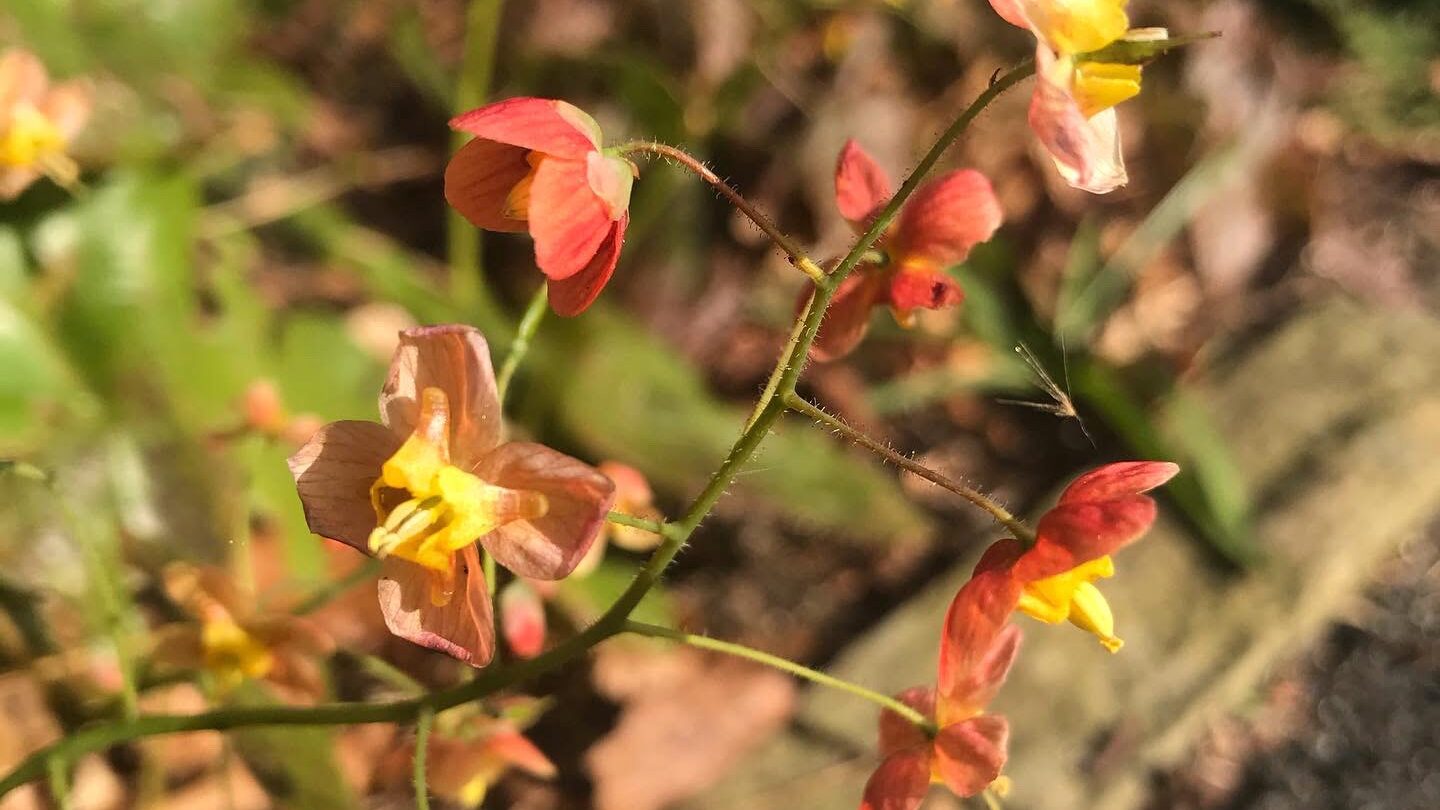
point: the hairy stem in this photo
(422, 744)
(797, 255)
(1001, 515)
(529, 325)
(784, 665)
(635, 522)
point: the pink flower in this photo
(537, 165)
(37, 123)
(433, 479)
(935, 229)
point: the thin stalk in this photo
(529, 325)
(784, 665)
(636, 523)
(57, 770)
(422, 743)
(1001, 515)
(477, 66)
(797, 255)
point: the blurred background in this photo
(261, 211)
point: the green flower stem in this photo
(1001, 515)
(529, 325)
(467, 283)
(57, 770)
(797, 255)
(784, 665)
(496, 678)
(422, 745)
(636, 523)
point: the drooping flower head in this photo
(470, 750)
(434, 478)
(537, 165)
(37, 123)
(936, 229)
(1073, 109)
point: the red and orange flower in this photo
(434, 481)
(537, 165)
(936, 229)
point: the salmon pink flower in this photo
(420, 489)
(935, 229)
(522, 618)
(1073, 109)
(467, 754)
(537, 165)
(37, 124)
(633, 497)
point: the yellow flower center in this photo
(1099, 85)
(30, 138)
(1071, 596)
(232, 655)
(517, 202)
(1078, 26)
(441, 508)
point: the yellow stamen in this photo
(30, 138)
(1071, 596)
(232, 655)
(517, 202)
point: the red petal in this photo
(923, 286)
(513, 748)
(1119, 479)
(542, 124)
(333, 473)
(1076, 533)
(1011, 11)
(1086, 151)
(574, 295)
(480, 177)
(463, 629)
(861, 186)
(970, 755)
(947, 217)
(455, 359)
(975, 688)
(976, 616)
(579, 497)
(522, 619)
(897, 733)
(568, 219)
(848, 317)
(899, 783)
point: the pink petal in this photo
(923, 286)
(455, 359)
(1121, 478)
(1086, 151)
(1011, 11)
(68, 107)
(1076, 533)
(542, 124)
(333, 473)
(970, 755)
(514, 749)
(463, 629)
(611, 178)
(571, 296)
(861, 186)
(899, 783)
(568, 220)
(897, 733)
(947, 217)
(977, 615)
(972, 690)
(522, 619)
(478, 181)
(848, 317)
(579, 497)
(22, 78)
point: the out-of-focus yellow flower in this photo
(37, 123)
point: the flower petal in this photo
(1118, 479)
(970, 755)
(1011, 11)
(897, 733)
(479, 179)
(22, 79)
(455, 359)
(947, 217)
(922, 286)
(515, 749)
(1086, 151)
(568, 220)
(522, 619)
(1076, 533)
(973, 689)
(542, 124)
(861, 186)
(579, 497)
(899, 783)
(333, 473)
(611, 178)
(848, 317)
(463, 628)
(977, 616)
(571, 296)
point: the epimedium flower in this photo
(435, 481)
(537, 165)
(469, 751)
(1073, 108)
(936, 228)
(38, 121)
